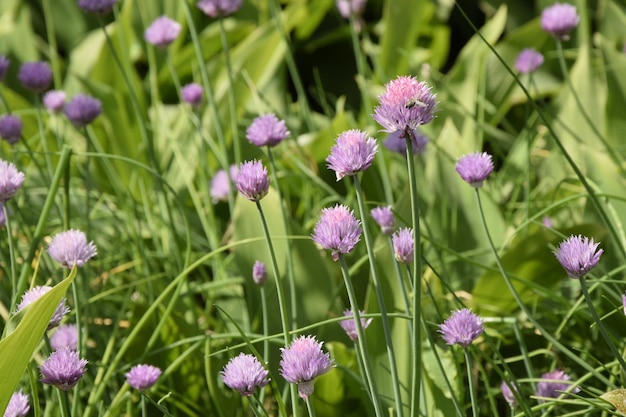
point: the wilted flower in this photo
(552, 383)
(245, 374)
(11, 128)
(461, 328)
(259, 273)
(396, 142)
(142, 377)
(267, 130)
(162, 32)
(63, 369)
(10, 180)
(35, 76)
(54, 100)
(71, 248)
(337, 230)
(405, 103)
(403, 245)
(252, 181)
(528, 61)
(4, 66)
(18, 405)
(578, 255)
(475, 168)
(35, 294)
(349, 324)
(559, 20)
(383, 216)
(192, 94)
(215, 8)
(65, 336)
(302, 362)
(220, 186)
(353, 152)
(100, 7)
(83, 109)
(507, 393)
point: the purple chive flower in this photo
(259, 273)
(528, 61)
(552, 383)
(4, 66)
(10, 180)
(267, 130)
(35, 76)
(252, 181)
(624, 303)
(101, 7)
(461, 328)
(403, 245)
(547, 222)
(507, 393)
(349, 325)
(559, 20)
(71, 248)
(405, 103)
(83, 109)
(215, 8)
(18, 405)
(192, 94)
(65, 336)
(475, 168)
(162, 32)
(396, 142)
(11, 128)
(337, 230)
(349, 8)
(245, 374)
(353, 152)
(35, 294)
(220, 185)
(3, 218)
(578, 255)
(302, 362)
(54, 100)
(63, 369)
(142, 377)
(383, 216)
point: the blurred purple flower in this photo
(528, 61)
(302, 362)
(350, 7)
(461, 328)
(245, 374)
(252, 181)
(192, 94)
(507, 393)
(353, 152)
(550, 387)
(383, 216)
(267, 130)
(63, 369)
(475, 168)
(142, 377)
(3, 218)
(405, 103)
(403, 245)
(162, 32)
(547, 222)
(215, 8)
(101, 7)
(11, 128)
(220, 186)
(65, 336)
(4, 66)
(349, 324)
(10, 180)
(54, 100)
(71, 248)
(83, 109)
(18, 405)
(35, 76)
(337, 230)
(578, 255)
(559, 20)
(624, 303)
(396, 142)
(259, 273)
(35, 294)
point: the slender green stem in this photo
(144, 406)
(401, 283)
(266, 341)
(596, 318)
(470, 382)
(7, 223)
(257, 406)
(81, 339)
(309, 406)
(210, 378)
(380, 297)
(361, 343)
(63, 403)
(42, 135)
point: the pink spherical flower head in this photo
(267, 130)
(18, 405)
(475, 168)
(71, 248)
(405, 104)
(142, 377)
(35, 76)
(403, 245)
(220, 185)
(83, 109)
(578, 255)
(553, 383)
(162, 32)
(11, 180)
(349, 8)
(337, 230)
(353, 152)
(215, 8)
(252, 181)
(11, 128)
(192, 94)
(349, 324)
(383, 216)
(63, 369)
(65, 336)
(528, 61)
(461, 328)
(302, 362)
(259, 273)
(245, 374)
(54, 100)
(100, 7)
(35, 294)
(559, 20)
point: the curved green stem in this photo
(468, 362)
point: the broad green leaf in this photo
(617, 398)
